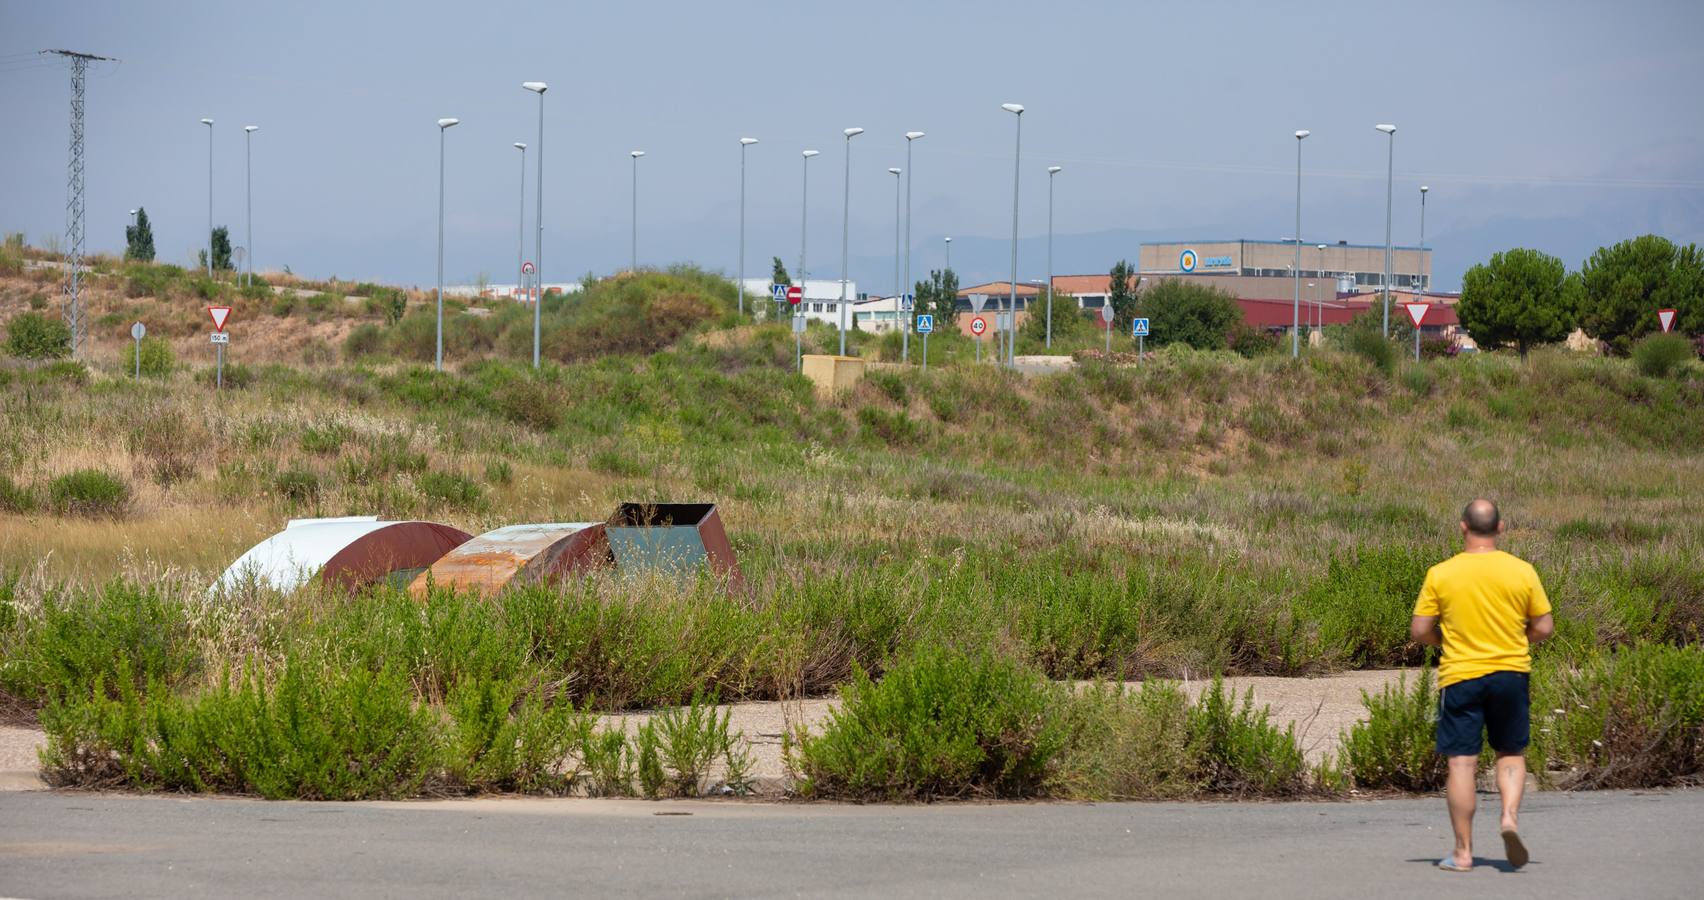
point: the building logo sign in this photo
(1186, 260)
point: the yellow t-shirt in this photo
(1483, 601)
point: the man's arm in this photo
(1540, 628)
(1425, 630)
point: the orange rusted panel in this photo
(518, 554)
(394, 551)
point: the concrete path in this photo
(1610, 844)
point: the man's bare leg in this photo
(1511, 781)
(1462, 795)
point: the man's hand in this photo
(1541, 628)
(1425, 630)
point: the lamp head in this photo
(1387, 129)
(251, 129)
(747, 142)
(913, 135)
(1321, 247)
(520, 146)
(207, 121)
(448, 123)
(893, 171)
(852, 132)
(537, 87)
(1424, 189)
(1017, 108)
(636, 154)
(133, 212)
(1302, 134)
(1055, 170)
(949, 239)
(810, 153)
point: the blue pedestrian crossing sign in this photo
(925, 324)
(779, 292)
(1138, 327)
(906, 302)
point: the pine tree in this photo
(1122, 295)
(221, 249)
(779, 275)
(139, 239)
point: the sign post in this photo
(925, 325)
(977, 326)
(906, 303)
(1106, 317)
(1417, 312)
(1665, 318)
(1139, 329)
(136, 332)
(219, 314)
(794, 295)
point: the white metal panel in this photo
(290, 558)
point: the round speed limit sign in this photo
(977, 326)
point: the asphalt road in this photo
(1620, 844)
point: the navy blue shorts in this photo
(1496, 705)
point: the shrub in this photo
(1128, 744)
(157, 357)
(363, 340)
(325, 439)
(88, 492)
(497, 743)
(1371, 346)
(118, 634)
(1395, 748)
(297, 485)
(38, 336)
(499, 471)
(1662, 355)
(691, 738)
(1242, 753)
(1628, 719)
(449, 489)
(941, 723)
(14, 497)
(1250, 342)
(526, 400)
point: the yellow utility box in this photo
(833, 373)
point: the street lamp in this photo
(1015, 109)
(744, 143)
(845, 224)
(1390, 172)
(1423, 190)
(907, 283)
(1296, 304)
(538, 87)
(248, 181)
(635, 154)
(897, 181)
(209, 124)
(949, 267)
(1318, 309)
(1051, 171)
(443, 126)
(804, 220)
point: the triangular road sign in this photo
(1417, 312)
(1666, 317)
(219, 314)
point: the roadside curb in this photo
(21, 780)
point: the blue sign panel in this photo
(925, 324)
(1186, 260)
(1138, 327)
(779, 292)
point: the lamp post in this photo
(1423, 267)
(1296, 270)
(248, 183)
(1015, 109)
(949, 268)
(907, 284)
(1390, 172)
(634, 267)
(1318, 309)
(845, 224)
(804, 219)
(897, 180)
(209, 124)
(538, 87)
(438, 358)
(521, 230)
(1051, 171)
(744, 143)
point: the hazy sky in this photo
(1559, 125)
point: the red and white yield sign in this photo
(219, 314)
(527, 267)
(977, 326)
(1666, 317)
(795, 294)
(1417, 312)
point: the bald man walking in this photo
(1485, 608)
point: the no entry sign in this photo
(795, 294)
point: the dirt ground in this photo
(1321, 708)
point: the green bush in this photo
(1128, 744)
(38, 336)
(1394, 748)
(1632, 718)
(450, 489)
(498, 744)
(364, 339)
(14, 497)
(1371, 346)
(941, 723)
(88, 492)
(1661, 355)
(1243, 754)
(157, 357)
(297, 485)
(102, 635)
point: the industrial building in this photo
(1354, 268)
